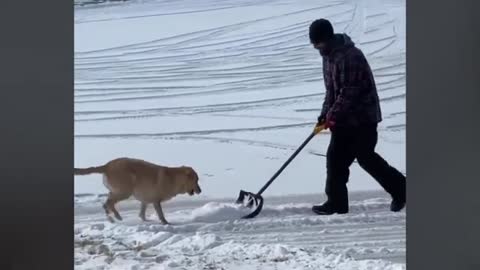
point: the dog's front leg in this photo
(158, 209)
(143, 210)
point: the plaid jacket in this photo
(351, 98)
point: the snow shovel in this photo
(256, 200)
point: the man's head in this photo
(321, 34)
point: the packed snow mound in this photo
(216, 212)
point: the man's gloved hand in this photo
(323, 123)
(329, 124)
(318, 128)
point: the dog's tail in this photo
(90, 170)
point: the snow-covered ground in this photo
(209, 235)
(230, 87)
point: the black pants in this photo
(348, 144)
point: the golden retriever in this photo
(147, 182)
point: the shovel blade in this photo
(250, 200)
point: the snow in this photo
(230, 88)
(210, 235)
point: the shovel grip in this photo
(319, 128)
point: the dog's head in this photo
(191, 185)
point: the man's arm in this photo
(325, 107)
(327, 101)
(353, 83)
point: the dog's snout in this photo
(199, 190)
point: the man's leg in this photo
(340, 156)
(393, 181)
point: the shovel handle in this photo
(310, 137)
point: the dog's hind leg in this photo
(143, 210)
(107, 212)
(114, 198)
(161, 216)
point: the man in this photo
(351, 111)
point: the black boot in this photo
(328, 209)
(397, 204)
(399, 199)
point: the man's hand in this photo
(318, 128)
(322, 125)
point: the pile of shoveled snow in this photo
(219, 211)
(216, 212)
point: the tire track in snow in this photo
(209, 108)
(198, 132)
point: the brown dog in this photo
(147, 182)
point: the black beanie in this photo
(321, 30)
